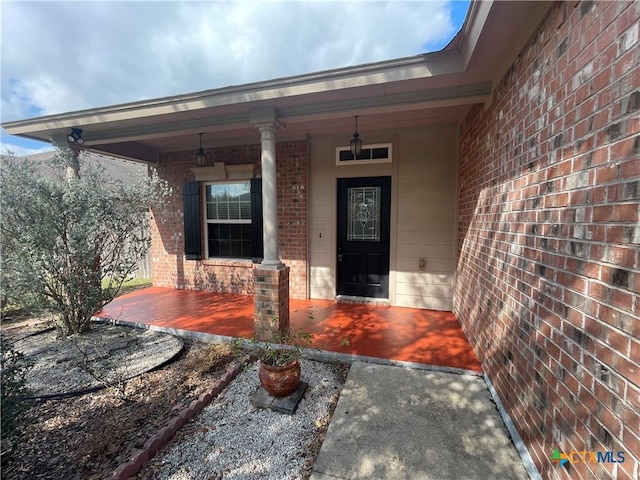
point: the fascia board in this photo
(422, 66)
(449, 96)
(473, 28)
(143, 132)
(432, 98)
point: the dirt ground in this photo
(87, 437)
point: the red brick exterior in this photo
(169, 267)
(291, 166)
(271, 302)
(548, 260)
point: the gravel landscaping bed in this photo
(232, 439)
(89, 436)
(113, 353)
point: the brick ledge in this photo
(218, 262)
(165, 434)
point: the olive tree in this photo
(69, 241)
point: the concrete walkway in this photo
(397, 423)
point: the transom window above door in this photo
(376, 153)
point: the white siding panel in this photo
(428, 278)
(320, 201)
(424, 290)
(440, 265)
(421, 196)
(321, 219)
(426, 218)
(323, 224)
(320, 240)
(431, 303)
(432, 225)
(424, 237)
(319, 259)
(424, 213)
(426, 251)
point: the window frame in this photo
(388, 159)
(207, 221)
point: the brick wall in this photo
(169, 267)
(271, 306)
(548, 260)
(291, 166)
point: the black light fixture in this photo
(75, 136)
(356, 144)
(201, 157)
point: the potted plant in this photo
(279, 354)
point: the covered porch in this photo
(396, 334)
(270, 199)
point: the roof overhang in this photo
(431, 88)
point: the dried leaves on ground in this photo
(87, 437)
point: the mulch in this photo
(87, 437)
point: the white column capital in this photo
(267, 132)
(275, 125)
(265, 117)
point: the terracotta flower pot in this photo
(279, 381)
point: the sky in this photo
(60, 57)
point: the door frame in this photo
(387, 202)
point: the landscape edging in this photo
(165, 434)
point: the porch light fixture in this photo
(75, 136)
(201, 157)
(356, 144)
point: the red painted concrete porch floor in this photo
(395, 333)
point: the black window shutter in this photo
(192, 221)
(256, 220)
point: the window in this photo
(363, 206)
(379, 153)
(232, 219)
(228, 220)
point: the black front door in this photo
(364, 206)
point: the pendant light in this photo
(201, 157)
(356, 144)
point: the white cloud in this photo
(19, 151)
(63, 56)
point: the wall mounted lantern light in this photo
(356, 144)
(75, 136)
(201, 157)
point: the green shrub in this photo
(68, 244)
(13, 370)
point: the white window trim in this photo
(219, 172)
(230, 222)
(365, 162)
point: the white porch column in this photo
(269, 198)
(73, 165)
(271, 277)
(71, 157)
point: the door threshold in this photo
(383, 302)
